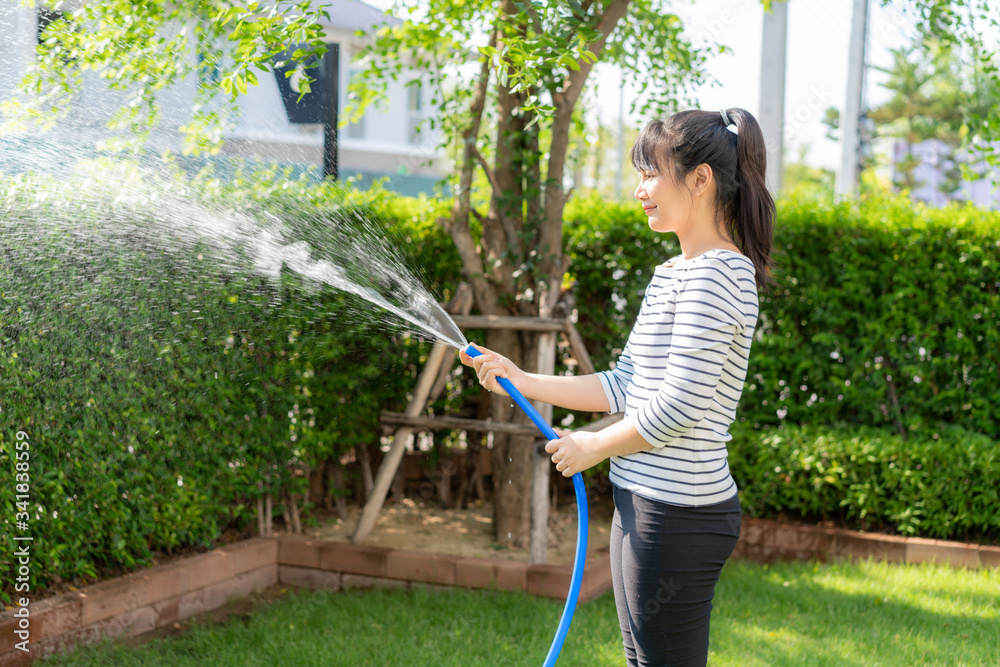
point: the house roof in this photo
(353, 15)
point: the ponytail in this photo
(751, 223)
(739, 163)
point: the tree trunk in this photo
(268, 515)
(551, 264)
(337, 489)
(399, 483)
(317, 492)
(476, 442)
(443, 482)
(521, 202)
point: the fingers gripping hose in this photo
(581, 509)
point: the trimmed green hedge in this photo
(161, 394)
(943, 485)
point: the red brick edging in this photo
(141, 601)
(151, 598)
(764, 540)
(315, 563)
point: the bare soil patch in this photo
(427, 527)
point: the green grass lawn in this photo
(784, 614)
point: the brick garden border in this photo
(161, 595)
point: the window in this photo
(46, 17)
(208, 69)
(415, 111)
(415, 100)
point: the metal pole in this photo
(619, 174)
(331, 65)
(772, 89)
(850, 121)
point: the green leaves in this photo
(960, 26)
(539, 46)
(145, 48)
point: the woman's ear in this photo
(701, 178)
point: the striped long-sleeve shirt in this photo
(680, 377)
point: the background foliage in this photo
(141, 51)
(164, 395)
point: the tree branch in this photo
(458, 227)
(565, 101)
(578, 78)
(505, 213)
(508, 228)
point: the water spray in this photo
(127, 211)
(581, 510)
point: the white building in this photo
(936, 176)
(384, 142)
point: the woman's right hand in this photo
(489, 366)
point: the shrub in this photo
(942, 485)
(163, 386)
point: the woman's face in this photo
(666, 203)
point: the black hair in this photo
(738, 161)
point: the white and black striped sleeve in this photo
(615, 382)
(707, 318)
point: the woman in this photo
(678, 380)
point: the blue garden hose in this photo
(581, 524)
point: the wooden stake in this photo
(435, 423)
(365, 461)
(518, 323)
(579, 349)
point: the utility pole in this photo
(331, 65)
(850, 121)
(772, 89)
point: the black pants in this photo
(665, 562)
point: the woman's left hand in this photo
(575, 451)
